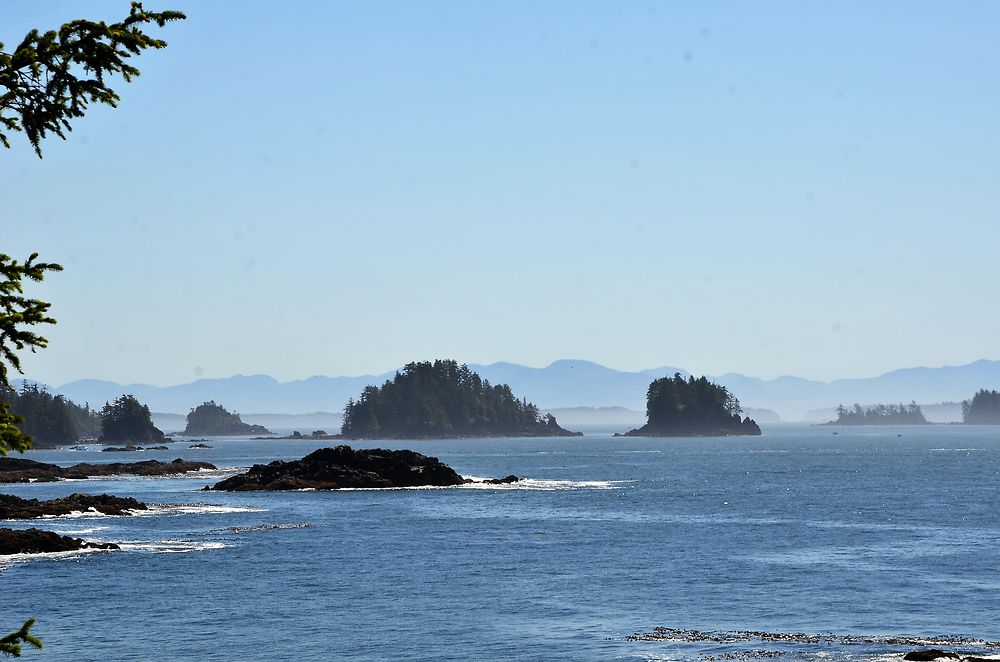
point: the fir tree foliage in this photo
(215, 420)
(50, 78)
(982, 409)
(18, 315)
(900, 414)
(128, 420)
(51, 419)
(11, 644)
(445, 399)
(693, 406)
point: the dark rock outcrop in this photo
(343, 466)
(36, 541)
(18, 470)
(502, 481)
(931, 654)
(12, 507)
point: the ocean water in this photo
(863, 537)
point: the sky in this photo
(338, 188)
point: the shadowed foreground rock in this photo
(17, 470)
(36, 541)
(340, 467)
(12, 507)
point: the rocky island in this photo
(344, 467)
(213, 420)
(678, 407)
(900, 414)
(18, 470)
(443, 400)
(36, 541)
(128, 421)
(12, 507)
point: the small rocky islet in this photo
(345, 467)
(37, 541)
(13, 507)
(19, 470)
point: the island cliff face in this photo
(678, 407)
(212, 420)
(441, 400)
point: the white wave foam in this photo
(196, 509)
(169, 546)
(548, 485)
(80, 532)
(13, 559)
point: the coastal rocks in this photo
(200, 446)
(36, 541)
(344, 467)
(12, 507)
(931, 654)
(18, 470)
(502, 481)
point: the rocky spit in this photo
(344, 467)
(12, 507)
(976, 650)
(36, 541)
(18, 470)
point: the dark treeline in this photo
(51, 419)
(983, 409)
(679, 406)
(880, 415)
(442, 399)
(128, 420)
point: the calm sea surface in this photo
(887, 531)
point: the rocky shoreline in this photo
(344, 467)
(36, 541)
(12, 507)
(18, 470)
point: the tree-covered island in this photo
(679, 407)
(440, 400)
(982, 409)
(900, 414)
(51, 420)
(127, 420)
(212, 420)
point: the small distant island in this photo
(443, 400)
(213, 420)
(679, 407)
(900, 414)
(982, 409)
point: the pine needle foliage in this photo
(11, 644)
(18, 314)
(51, 77)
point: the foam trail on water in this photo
(169, 546)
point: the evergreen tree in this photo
(128, 420)
(983, 409)
(442, 399)
(900, 414)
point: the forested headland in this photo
(679, 407)
(51, 420)
(900, 414)
(443, 399)
(982, 409)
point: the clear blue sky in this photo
(299, 188)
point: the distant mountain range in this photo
(563, 384)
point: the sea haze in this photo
(563, 384)
(889, 531)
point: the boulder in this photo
(12, 507)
